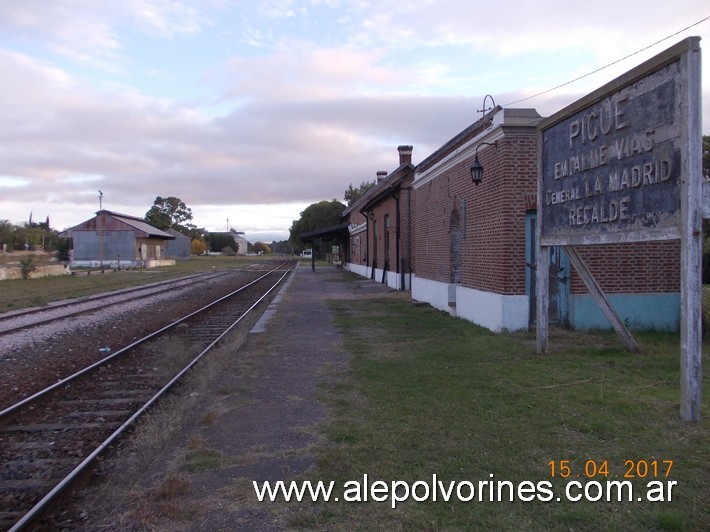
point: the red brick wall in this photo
(492, 213)
(356, 217)
(406, 206)
(493, 246)
(631, 268)
(377, 249)
(388, 207)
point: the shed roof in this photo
(333, 230)
(177, 234)
(132, 221)
(140, 225)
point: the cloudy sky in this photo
(249, 111)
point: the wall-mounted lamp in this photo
(477, 167)
(371, 215)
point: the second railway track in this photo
(32, 317)
(49, 439)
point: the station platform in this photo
(269, 408)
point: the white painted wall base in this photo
(496, 312)
(433, 292)
(392, 279)
(359, 269)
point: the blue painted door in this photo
(559, 276)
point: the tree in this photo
(170, 213)
(197, 246)
(261, 248)
(706, 156)
(219, 241)
(352, 194)
(316, 216)
(282, 246)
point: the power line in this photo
(606, 66)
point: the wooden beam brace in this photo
(599, 296)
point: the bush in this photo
(198, 246)
(27, 266)
(63, 249)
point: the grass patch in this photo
(430, 394)
(202, 460)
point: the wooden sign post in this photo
(624, 164)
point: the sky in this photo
(249, 111)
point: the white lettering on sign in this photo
(600, 212)
(621, 148)
(608, 117)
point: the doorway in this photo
(559, 277)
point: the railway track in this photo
(21, 319)
(48, 440)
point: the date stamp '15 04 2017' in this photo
(631, 469)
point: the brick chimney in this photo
(381, 174)
(405, 154)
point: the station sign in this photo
(611, 162)
(623, 164)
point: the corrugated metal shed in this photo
(140, 225)
(180, 247)
(111, 237)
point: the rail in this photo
(67, 481)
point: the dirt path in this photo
(253, 416)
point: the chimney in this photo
(381, 174)
(405, 154)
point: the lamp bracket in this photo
(494, 144)
(485, 109)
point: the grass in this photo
(20, 293)
(429, 394)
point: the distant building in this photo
(380, 227)
(239, 239)
(113, 240)
(180, 248)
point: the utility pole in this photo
(101, 242)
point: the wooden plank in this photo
(542, 263)
(542, 282)
(691, 242)
(598, 295)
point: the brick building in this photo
(475, 244)
(470, 249)
(641, 281)
(381, 236)
(470, 239)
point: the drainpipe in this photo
(398, 233)
(409, 234)
(367, 243)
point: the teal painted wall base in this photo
(659, 312)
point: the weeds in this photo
(27, 266)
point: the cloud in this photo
(299, 99)
(308, 73)
(94, 33)
(165, 18)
